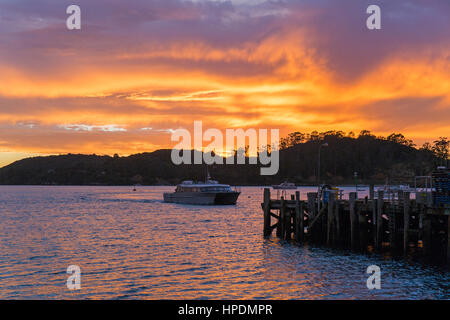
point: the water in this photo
(131, 245)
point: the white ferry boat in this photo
(208, 193)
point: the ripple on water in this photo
(134, 246)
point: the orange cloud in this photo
(290, 66)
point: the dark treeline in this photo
(375, 159)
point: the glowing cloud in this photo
(139, 68)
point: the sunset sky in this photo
(139, 69)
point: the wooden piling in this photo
(427, 234)
(353, 219)
(282, 221)
(279, 225)
(312, 208)
(287, 225)
(371, 192)
(380, 205)
(448, 240)
(267, 226)
(312, 216)
(420, 208)
(406, 201)
(330, 223)
(374, 222)
(337, 217)
(362, 226)
(299, 218)
(392, 223)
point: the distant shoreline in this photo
(345, 161)
(93, 185)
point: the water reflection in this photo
(131, 245)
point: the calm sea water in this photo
(131, 245)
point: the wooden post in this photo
(374, 221)
(392, 223)
(299, 218)
(362, 226)
(406, 222)
(353, 229)
(267, 228)
(312, 205)
(282, 219)
(380, 206)
(330, 219)
(322, 227)
(448, 240)
(300, 222)
(279, 225)
(421, 216)
(292, 217)
(371, 192)
(337, 213)
(427, 234)
(287, 224)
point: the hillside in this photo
(375, 160)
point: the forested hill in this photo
(373, 158)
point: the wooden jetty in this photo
(399, 224)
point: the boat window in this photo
(216, 189)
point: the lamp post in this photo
(318, 177)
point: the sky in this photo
(137, 70)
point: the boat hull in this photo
(202, 198)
